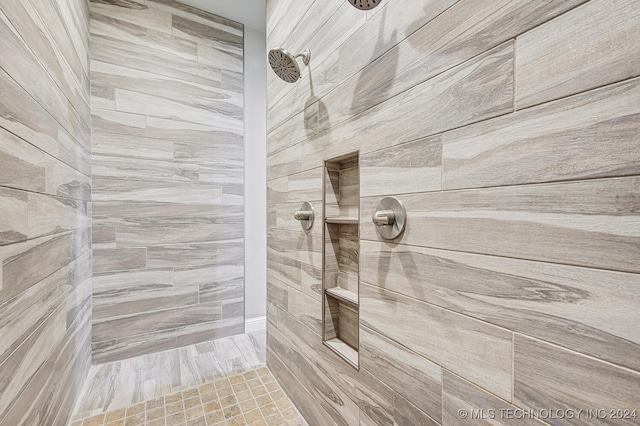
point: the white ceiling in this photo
(251, 13)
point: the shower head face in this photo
(284, 64)
(365, 4)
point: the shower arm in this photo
(305, 55)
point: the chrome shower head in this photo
(365, 4)
(285, 65)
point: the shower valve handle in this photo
(302, 215)
(305, 215)
(384, 217)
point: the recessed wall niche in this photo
(341, 256)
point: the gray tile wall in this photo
(167, 162)
(45, 209)
(509, 129)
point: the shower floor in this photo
(221, 382)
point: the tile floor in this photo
(221, 382)
(250, 398)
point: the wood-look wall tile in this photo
(232, 81)
(15, 225)
(45, 388)
(222, 288)
(192, 94)
(134, 13)
(48, 215)
(221, 113)
(106, 49)
(23, 363)
(567, 55)
(207, 275)
(477, 351)
(125, 259)
(185, 256)
(304, 401)
(476, 90)
(27, 263)
(340, 407)
(294, 273)
(172, 231)
(111, 144)
(374, 398)
(298, 128)
(298, 245)
(45, 272)
(30, 309)
(142, 324)
(571, 221)
(586, 136)
(201, 33)
(24, 117)
(110, 27)
(40, 26)
(410, 375)
(464, 402)
(405, 413)
(221, 56)
(25, 69)
(507, 292)
(410, 167)
(547, 376)
(198, 15)
(103, 98)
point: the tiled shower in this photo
(452, 213)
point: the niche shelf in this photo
(341, 255)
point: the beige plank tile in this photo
(104, 74)
(186, 28)
(134, 13)
(476, 90)
(111, 144)
(110, 27)
(304, 401)
(590, 46)
(15, 225)
(25, 118)
(155, 321)
(198, 15)
(184, 256)
(337, 403)
(221, 56)
(41, 27)
(547, 376)
(225, 116)
(20, 366)
(32, 77)
(406, 413)
(48, 215)
(587, 310)
(111, 260)
(410, 167)
(370, 394)
(584, 136)
(27, 263)
(476, 350)
(558, 223)
(413, 377)
(464, 402)
(30, 309)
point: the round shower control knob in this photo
(305, 215)
(390, 218)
